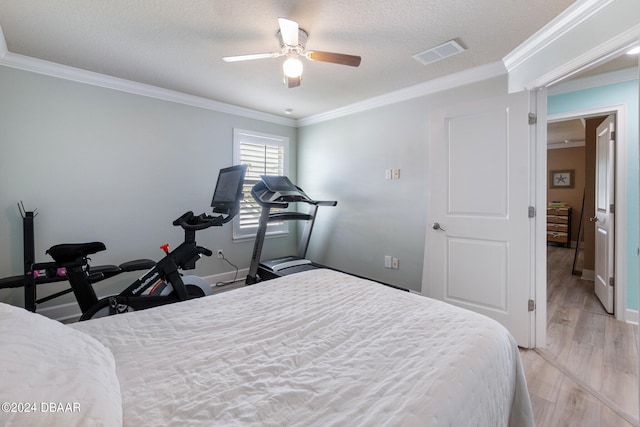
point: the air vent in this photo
(437, 53)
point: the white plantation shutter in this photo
(264, 155)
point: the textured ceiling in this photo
(178, 45)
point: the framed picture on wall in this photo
(561, 178)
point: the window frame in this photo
(241, 136)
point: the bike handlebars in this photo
(190, 222)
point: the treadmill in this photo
(277, 192)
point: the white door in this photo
(603, 218)
(478, 240)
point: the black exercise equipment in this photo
(276, 192)
(161, 284)
(36, 274)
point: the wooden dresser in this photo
(559, 225)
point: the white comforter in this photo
(314, 349)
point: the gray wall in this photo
(345, 159)
(100, 164)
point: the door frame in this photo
(597, 56)
(620, 200)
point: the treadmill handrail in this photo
(263, 195)
(289, 216)
(260, 190)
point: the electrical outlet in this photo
(395, 264)
(220, 254)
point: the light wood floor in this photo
(587, 374)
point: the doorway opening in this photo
(573, 160)
(581, 334)
(572, 193)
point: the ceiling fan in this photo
(293, 41)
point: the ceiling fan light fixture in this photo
(292, 68)
(293, 41)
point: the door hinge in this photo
(532, 212)
(612, 281)
(613, 135)
(532, 305)
(612, 208)
(533, 119)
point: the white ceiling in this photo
(566, 133)
(178, 45)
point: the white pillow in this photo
(53, 375)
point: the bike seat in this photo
(70, 252)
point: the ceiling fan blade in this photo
(251, 56)
(336, 58)
(289, 31)
(292, 81)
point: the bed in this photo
(318, 348)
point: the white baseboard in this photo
(588, 275)
(68, 311)
(631, 316)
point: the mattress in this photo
(318, 348)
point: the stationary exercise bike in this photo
(42, 273)
(163, 283)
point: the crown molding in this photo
(39, 66)
(618, 76)
(65, 72)
(450, 81)
(596, 56)
(555, 29)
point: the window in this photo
(265, 155)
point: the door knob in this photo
(594, 219)
(437, 226)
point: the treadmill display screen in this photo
(278, 184)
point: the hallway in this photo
(587, 375)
